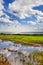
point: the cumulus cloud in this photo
(1, 13)
(1, 1)
(31, 22)
(40, 19)
(6, 19)
(1, 7)
(24, 7)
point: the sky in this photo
(18, 16)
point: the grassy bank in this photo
(23, 39)
(36, 58)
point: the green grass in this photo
(23, 39)
(38, 56)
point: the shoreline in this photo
(32, 44)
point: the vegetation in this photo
(36, 58)
(23, 39)
(3, 60)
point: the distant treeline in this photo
(23, 34)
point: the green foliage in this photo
(23, 39)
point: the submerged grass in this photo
(23, 39)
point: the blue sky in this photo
(21, 16)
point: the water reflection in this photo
(17, 54)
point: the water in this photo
(17, 52)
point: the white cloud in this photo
(31, 22)
(1, 13)
(20, 28)
(1, 1)
(5, 19)
(15, 22)
(40, 19)
(1, 7)
(24, 7)
(36, 12)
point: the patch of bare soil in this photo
(35, 44)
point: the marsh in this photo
(18, 54)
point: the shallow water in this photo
(14, 52)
